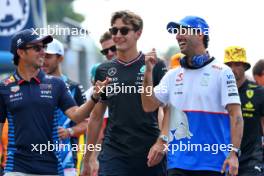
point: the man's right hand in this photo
(90, 168)
(94, 166)
(99, 87)
(63, 133)
(150, 60)
(86, 171)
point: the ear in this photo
(201, 36)
(138, 33)
(60, 58)
(20, 52)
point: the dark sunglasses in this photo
(106, 50)
(123, 30)
(37, 48)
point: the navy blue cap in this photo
(189, 22)
(27, 36)
(22, 38)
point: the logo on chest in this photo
(179, 78)
(15, 94)
(250, 93)
(111, 71)
(205, 80)
(15, 89)
(45, 91)
(46, 94)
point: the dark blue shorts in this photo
(123, 166)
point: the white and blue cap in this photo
(55, 47)
(189, 22)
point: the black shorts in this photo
(123, 166)
(181, 172)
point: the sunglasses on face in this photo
(123, 30)
(106, 50)
(37, 48)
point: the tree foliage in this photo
(58, 9)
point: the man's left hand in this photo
(63, 133)
(156, 153)
(232, 162)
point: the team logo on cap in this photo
(13, 16)
(19, 41)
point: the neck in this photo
(198, 51)
(57, 73)
(27, 72)
(241, 81)
(127, 56)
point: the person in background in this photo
(68, 130)
(108, 46)
(258, 74)
(175, 60)
(252, 103)
(3, 147)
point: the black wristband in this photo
(94, 99)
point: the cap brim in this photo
(247, 65)
(51, 52)
(45, 40)
(171, 26)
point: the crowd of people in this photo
(201, 117)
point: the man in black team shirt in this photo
(133, 144)
(252, 104)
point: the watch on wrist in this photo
(236, 150)
(164, 138)
(70, 130)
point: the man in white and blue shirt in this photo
(206, 124)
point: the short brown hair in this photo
(258, 68)
(128, 17)
(106, 36)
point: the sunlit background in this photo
(232, 22)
